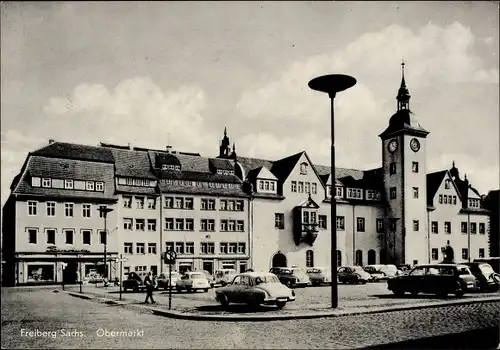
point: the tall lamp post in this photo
(104, 210)
(331, 84)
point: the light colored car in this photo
(391, 271)
(255, 288)
(224, 276)
(163, 280)
(210, 278)
(319, 275)
(192, 282)
(375, 272)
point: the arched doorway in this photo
(359, 258)
(372, 259)
(279, 260)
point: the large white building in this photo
(235, 212)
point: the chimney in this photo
(130, 147)
(169, 149)
(51, 141)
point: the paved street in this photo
(44, 310)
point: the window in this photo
(141, 268)
(68, 184)
(322, 221)
(35, 182)
(169, 246)
(51, 208)
(102, 213)
(239, 206)
(151, 248)
(99, 186)
(129, 181)
(380, 225)
(127, 224)
(354, 193)
(392, 168)
(168, 202)
(139, 201)
(415, 225)
(32, 233)
(46, 183)
(223, 248)
(223, 204)
(473, 228)
(415, 192)
(300, 187)
(445, 197)
(447, 227)
(435, 253)
(339, 192)
(314, 188)
(392, 225)
(454, 199)
(232, 248)
(207, 204)
(69, 236)
(450, 199)
(189, 224)
(231, 225)
(434, 227)
(151, 224)
(68, 210)
(169, 223)
(188, 203)
(103, 237)
(128, 248)
(293, 186)
(139, 224)
(240, 225)
(266, 185)
(279, 221)
(393, 192)
(189, 248)
(127, 202)
(179, 224)
(51, 236)
(152, 203)
(309, 258)
(230, 205)
(340, 223)
(178, 202)
(207, 248)
(440, 199)
(307, 187)
(179, 247)
(414, 167)
(447, 184)
(86, 236)
(303, 168)
(89, 185)
(211, 225)
(360, 223)
(86, 210)
(32, 208)
(139, 248)
(359, 258)
(481, 252)
(465, 254)
(482, 228)
(241, 248)
(223, 225)
(464, 227)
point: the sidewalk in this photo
(203, 307)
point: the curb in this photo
(307, 315)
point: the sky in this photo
(158, 73)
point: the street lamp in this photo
(331, 84)
(104, 210)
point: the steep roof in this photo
(434, 180)
(253, 163)
(132, 163)
(283, 167)
(65, 150)
(404, 120)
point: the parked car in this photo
(390, 271)
(487, 278)
(224, 276)
(193, 281)
(439, 279)
(255, 288)
(210, 278)
(134, 282)
(291, 276)
(163, 280)
(493, 261)
(353, 274)
(319, 275)
(375, 273)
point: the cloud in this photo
(442, 72)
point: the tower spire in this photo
(403, 97)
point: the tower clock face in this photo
(414, 145)
(393, 146)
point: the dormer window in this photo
(303, 168)
(35, 182)
(177, 168)
(355, 193)
(68, 184)
(46, 182)
(305, 222)
(89, 185)
(447, 184)
(339, 192)
(268, 186)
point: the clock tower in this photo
(404, 177)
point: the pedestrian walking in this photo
(148, 281)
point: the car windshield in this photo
(266, 279)
(463, 270)
(358, 269)
(298, 272)
(195, 276)
(486, 269)
(314, 271)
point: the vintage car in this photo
(319, 275)
(224, 276)
(353, 275)
(162, 280)
(493, 261)
(376, 273)
(487, 278)
(210, 277)
(291, 276)
(134, 282)
(193, 281)
(255, 288)
(439, 279)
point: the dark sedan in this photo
(487, 279)
(439, 279)
(353, 274)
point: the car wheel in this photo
(496, 278)
(398, 292)
(179, 289)
(281, 304)
(459, 290)
(223, 300)
(189, 290)
(363, 282)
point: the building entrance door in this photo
(70, 272)
(208, 265)
(279, 260)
